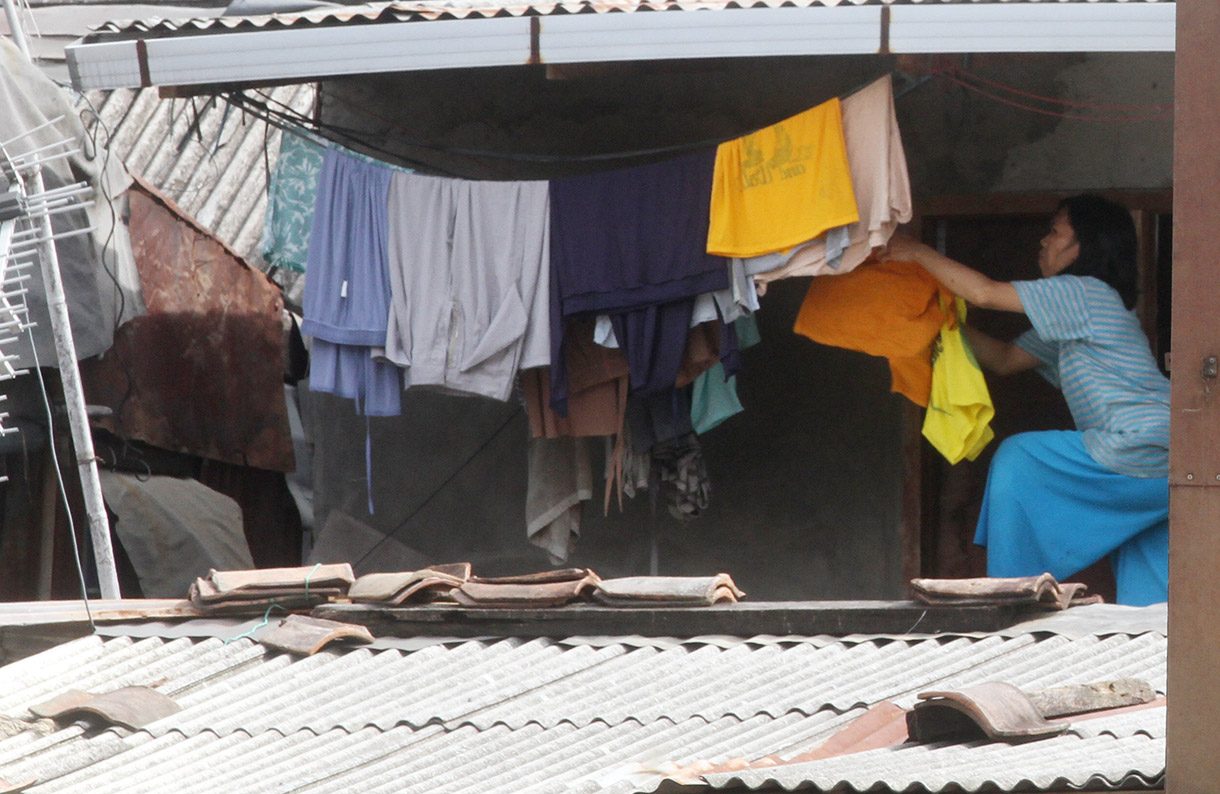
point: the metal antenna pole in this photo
(15, 29)
(74, 396)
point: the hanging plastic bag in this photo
(959, 413)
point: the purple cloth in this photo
(630, 240)
(347, 289)
(653, 340)
(350, 371)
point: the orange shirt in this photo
(889, 309)
(782, 185)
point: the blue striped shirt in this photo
(1093, 349)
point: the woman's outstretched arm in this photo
(959, 279)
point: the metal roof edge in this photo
(377, 39)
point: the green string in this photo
(267, 614)
(310, 576)
(266, 620)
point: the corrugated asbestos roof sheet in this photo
(208, 158)
(475, 9)
(546, 715)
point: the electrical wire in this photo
(951, 75)
(59, 479)
(1019, 92)
(111, 272)
(436, 492)
(292, 121)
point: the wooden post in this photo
(1194, 459)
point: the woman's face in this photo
(1059, 246)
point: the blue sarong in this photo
(1050, 507)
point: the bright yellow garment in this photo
(782, 185)
(959, 410)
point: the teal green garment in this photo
(714, 399)
(290, 199)
(747, 332)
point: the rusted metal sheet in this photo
(209, 160)
(201, 373)
(1193, 766)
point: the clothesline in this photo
(291, 122)
(614, 291)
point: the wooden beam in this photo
(836, 618)
(1193, 765)
(1034, 203)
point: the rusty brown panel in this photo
(1193, 766)
(202, 372)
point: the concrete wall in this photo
(961, 142)
(805, 499)
(807, 482)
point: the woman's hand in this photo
(903, 249)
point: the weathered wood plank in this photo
(836, 618)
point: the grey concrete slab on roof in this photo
(542, 715)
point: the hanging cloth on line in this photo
(889, 309)
(630, 240)
(292, 190)
(291, 193)
(959, 406)
(347, 294)
(782, 185)
(714, 394)
(880, 181)
(469, 267)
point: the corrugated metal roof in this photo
(476, 9)
(1064, 761)
(208, 158)
(51, 27)
(544, 715)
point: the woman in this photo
(1058, 501)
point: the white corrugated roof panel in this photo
(543, 715)
(387, 37)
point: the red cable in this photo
(1019, 92)
(1056, 114)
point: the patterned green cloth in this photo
(290, 200)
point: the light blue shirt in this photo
(1094, 350)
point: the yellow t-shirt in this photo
(782, 185)
(958, 422)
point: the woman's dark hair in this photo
(1106, 235)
